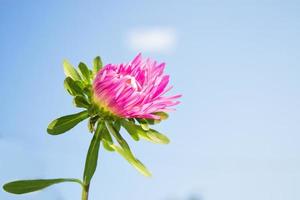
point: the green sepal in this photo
(150, 135)
(73, 87)
(162, 115)
(65, 123)
(70, 71)
(154, 136)
(81, 102)
(97, 64)
(143, 123)
(92, 155)
(85, 72)
(26, 186)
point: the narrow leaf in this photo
(97, 64)
(162, 115)
(150, 135)
(73, 87)
(26, 186)
(130, 128)
(85, 72)
(81, 102)
(154, 136)
(117, 125)
(107, 146)
(106, 140)
(117, 135)
(70, 71)
(125, 151)
(143, 123)
(65, 123)
(132, 160)
(92, 155)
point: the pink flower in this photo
(134, 90)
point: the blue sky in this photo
(236, 134)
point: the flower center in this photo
(133, 82)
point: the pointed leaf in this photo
(117, 125)
(132, 160)
(117, 135)
(143, 123)
(162, 115)
(130, 128)
(150, 135)
(125, 151)
(65, 123)
(73, 87)
(85, 72)
(97, 64)
(107, 146)
(26, 186)
(70, 71)
(92, 155)
(154, 136)
(81, 102)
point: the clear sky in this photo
(236, 134)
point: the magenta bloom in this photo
(134, 90)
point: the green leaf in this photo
(125, 151)
(97, 64)
(106, 145)
(106, 140)
(73, 87)
(130, 128)
(117, 125)
(162, 115)
(26, 186)
(154, 136)
(70, 71)
(81, 102)
(117, 135)
(92, 155)
(150, 135)
(132, 160)
(85, 72)
(65, 123)
(106, 136)
(143, 123)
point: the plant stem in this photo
(85, 192)
(91, 161)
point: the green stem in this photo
(91, 161)
(85, 192)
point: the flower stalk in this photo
(85, 192)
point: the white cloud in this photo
(156, 39)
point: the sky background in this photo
(236, 135)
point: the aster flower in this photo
(132, 96)
(133, 90)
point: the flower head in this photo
(134, 90)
